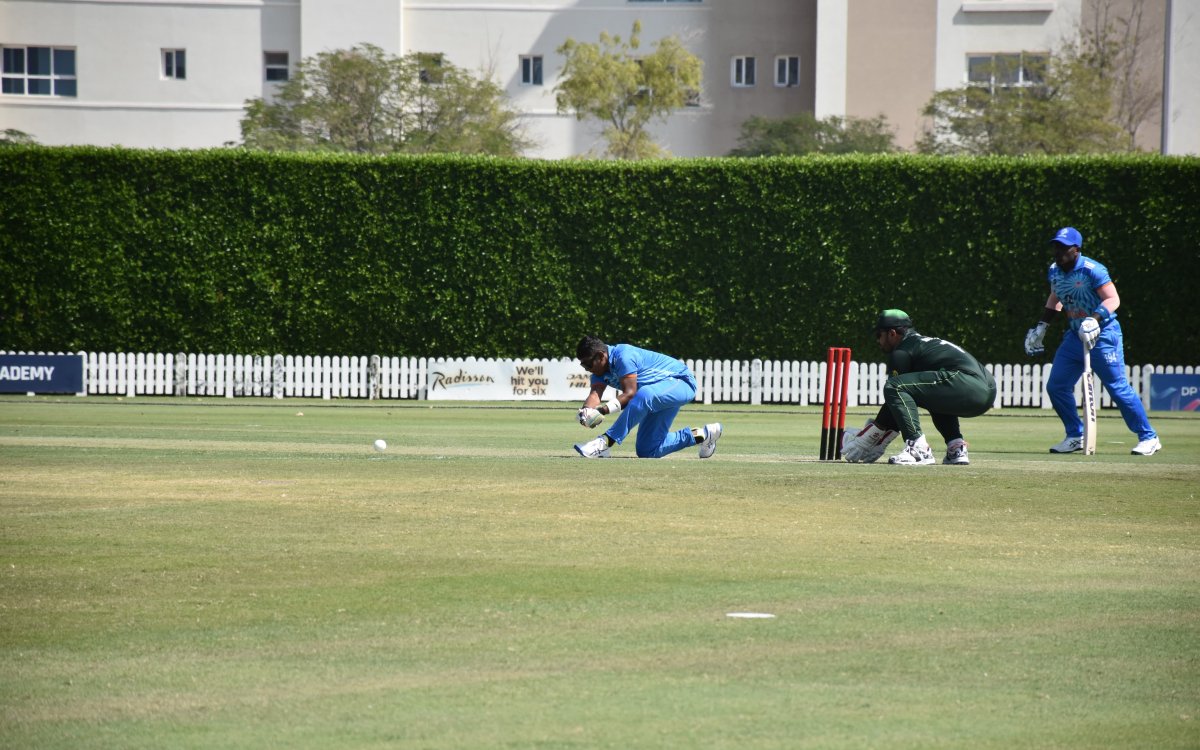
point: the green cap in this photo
(893, 318)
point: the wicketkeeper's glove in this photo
(866, 445)
(589, 417)
(1034, 338)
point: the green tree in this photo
(1057, 105)
(805, 134)
(609, 81)
(364, 101)
(1093, 94)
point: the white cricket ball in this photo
(381, 445)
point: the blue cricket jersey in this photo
(651, 367)
(1076, 289)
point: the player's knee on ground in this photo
(651, 445)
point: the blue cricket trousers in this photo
(651, 410)
(1108, 361)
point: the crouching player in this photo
(924, 372)
(651, 389)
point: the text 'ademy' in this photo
(26, 373)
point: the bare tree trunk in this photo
(1122, 36)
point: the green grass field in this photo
(250, 574)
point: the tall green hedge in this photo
(232, 251)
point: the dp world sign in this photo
(41, 373)
(1175, 392)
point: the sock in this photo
(607, 440)
(698, 434)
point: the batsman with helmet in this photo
(1082, 288)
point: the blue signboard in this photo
(41, 373)
(1175, 392)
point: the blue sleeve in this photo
(624, 362)
(1100, 275)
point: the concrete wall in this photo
(773, 29)
(885, 57)
(858, 57)
(890, 69)
(714, 31)
(123, 99)
(340, 24)
(1183, 79)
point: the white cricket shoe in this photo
(1070, 445)
(712, 433)
(916, 453)
(597, 448)
(1147, 447)
(956, 453)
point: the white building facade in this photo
(177, 73)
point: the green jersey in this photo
(938, 376)
(917, 353)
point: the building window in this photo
(174, 64)
(276, 66)
(787, 71)
(38, 71)
(430, 67)
(1011, 70)
(531, 70)
(742, 71)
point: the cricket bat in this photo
(1089, 404)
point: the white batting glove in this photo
(1034, 339)
(1089, 331)
(866, 445)
(589, 417)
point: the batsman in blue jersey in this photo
(1081, 287)
(651, 389)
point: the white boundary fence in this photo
(376, 377)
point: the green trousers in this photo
(945, 394)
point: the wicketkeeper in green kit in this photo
(928, 373)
